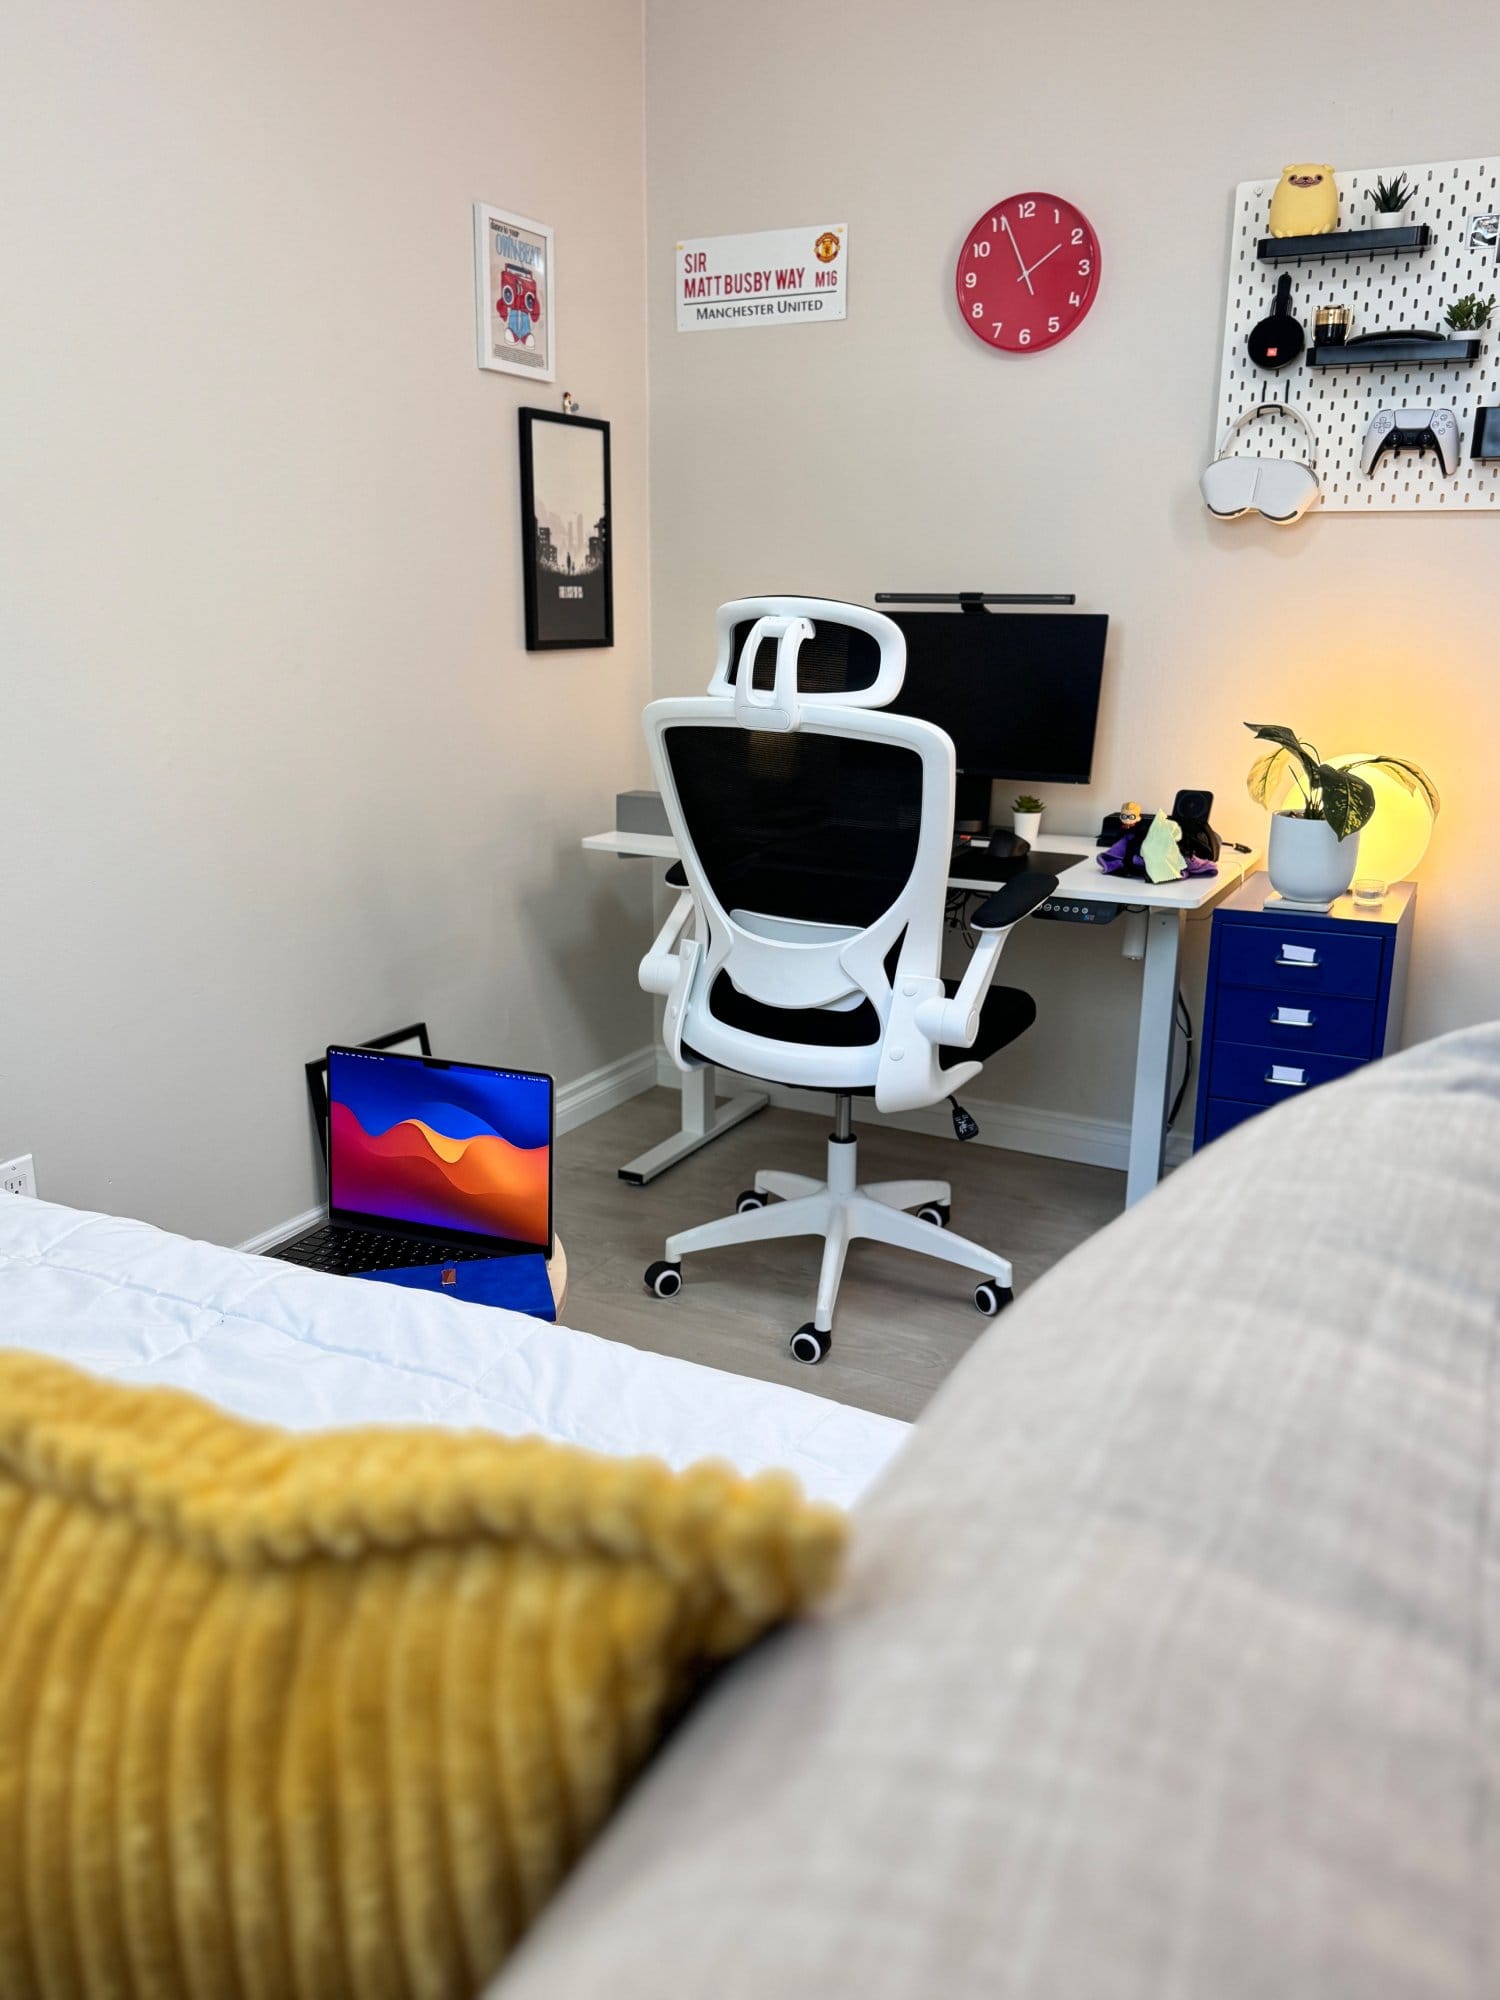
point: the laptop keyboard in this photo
(345, 1251)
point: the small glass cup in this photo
(1370, 888)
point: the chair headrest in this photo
(790, 621)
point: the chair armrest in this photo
(1016, 900)
(956, 1021)
(663, 966)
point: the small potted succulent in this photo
(1391, 202)
(1470, 314)
(1314, 841)
(1026, 816)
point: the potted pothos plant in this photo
(1314, 841)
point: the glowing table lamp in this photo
(1391, 846)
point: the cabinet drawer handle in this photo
(1286, 1017)
(1298, 964)
(1297, 1082)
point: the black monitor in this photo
(1017, 691)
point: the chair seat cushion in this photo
(1007, 1013)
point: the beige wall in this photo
(277, 768)
(894, 451)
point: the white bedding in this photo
(293, 1347)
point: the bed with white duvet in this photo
(282, 1345)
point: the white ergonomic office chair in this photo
(806, 944)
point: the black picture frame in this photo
(317, 1072)
(567, 555)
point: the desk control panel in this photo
(1067, 910)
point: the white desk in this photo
(1166, 905)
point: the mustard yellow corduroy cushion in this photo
(322, 1715)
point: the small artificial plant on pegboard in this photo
(1391, 199)
(1470, 314)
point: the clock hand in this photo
(1029, 268)
(1005, 225)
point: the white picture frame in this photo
(513, 249)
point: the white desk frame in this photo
(1166, 906)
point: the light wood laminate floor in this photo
(902, 1322)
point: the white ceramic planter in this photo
(1307, 861)
(1027, 825)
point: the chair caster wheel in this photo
(935, 1212)
(664, 1279)
(991, 1298)
(808, 1345)
(750, 1198)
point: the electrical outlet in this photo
(18, 1176)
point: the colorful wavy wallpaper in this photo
(454, 1148)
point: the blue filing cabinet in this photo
(1296, 998)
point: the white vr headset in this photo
(1283, 489)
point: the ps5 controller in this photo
(1412, 430)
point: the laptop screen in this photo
(441, 1147)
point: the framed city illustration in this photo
(565, 530)
(515, 294)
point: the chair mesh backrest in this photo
(819, 828)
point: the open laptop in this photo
(430, 1162)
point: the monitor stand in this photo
(971, 803)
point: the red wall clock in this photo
(1027, 273)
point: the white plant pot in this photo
(1307, 861)
(1027, 825)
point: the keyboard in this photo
(345, 1251)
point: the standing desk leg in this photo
(704, 1119)
(1153, 1054)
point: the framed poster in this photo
(515, 293)
(565, 529)
(406, 1041)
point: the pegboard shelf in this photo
(1399, 279)
(1397, 354)
(1344, 243)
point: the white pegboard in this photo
(1406, 288)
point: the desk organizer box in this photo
(1386, 287)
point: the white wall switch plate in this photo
(18, 1176)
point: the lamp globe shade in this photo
(1391, 846)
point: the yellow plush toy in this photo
(1306, 202)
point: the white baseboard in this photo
(602, 1089)
(584, 1098)
(1018, 1128)
(281, 1230)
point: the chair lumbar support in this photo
(839, 1210)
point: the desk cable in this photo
(956, 916)
(1182, 1022)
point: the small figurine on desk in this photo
(1150, 847)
